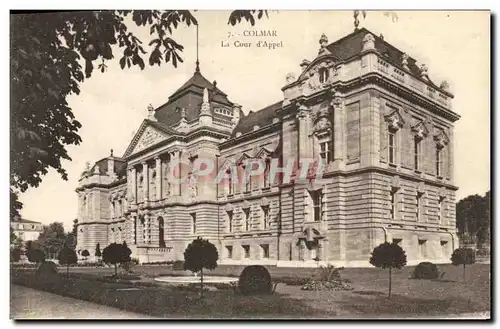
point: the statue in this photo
(404, 61)
(368, 42)
(290, 77)
(205, 95)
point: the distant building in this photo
(26, 230)
(362, 106)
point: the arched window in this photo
(161, 232)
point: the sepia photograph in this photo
(250, 164)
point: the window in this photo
(267, 173)
(265, 217)
(325, 150)
(317, 202)
(161, 232)
(230, 221)
(444, 248)
(323, 75)
(246, 218)
(193, 223)
(438, 161)
(246, 251)
(418, 211)
(392, 146)
(394, 192)
(248, 181)
(440, 209)
(265, 250)
(399, 242)
(416, 151)
(422, 248)
(229, 250)
(230, 182)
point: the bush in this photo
(426, 270)
(255, 279)
(178, 265)
(116, 254)
(47, 270)
(15, 255)
(35, 255)
(327, 278)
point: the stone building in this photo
(24, 229)
(382, 127)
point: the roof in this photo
(24, 221)
(190, 97)
(120, 166)
(260, 118)
(352, 44)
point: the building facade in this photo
(382, 128)
(26, 230)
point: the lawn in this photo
(448, 296)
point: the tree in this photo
(46, 51)
(116, 254)
(52, 239)
(85, 253)
(198, 255)
(98, 250)
(15, 241)
(388, 255)
(67, 256)
(463, 256)
(35, 255)
(473, 219)
(15, 255)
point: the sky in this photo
(111, 106)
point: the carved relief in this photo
(322, 124)
(420, 130)
(441, 138)
(149, 137)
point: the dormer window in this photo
(323, 75)
(224, 111)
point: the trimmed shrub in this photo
(47, 270)
(255, 279)
(426, 270)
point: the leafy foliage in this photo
(474, 218)
(15, 241)
(116, 254)
(388, 255)
(51, 55)
(255, 279)
(52, 239)
(67, 256)
(85, 253)
(426, 270)
(249, 15)
(463, 256)
(15, 255)
(35, 255)
(200, 254)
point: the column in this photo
(133, 185)
(175, 186)
(145, 182)
(159, 176)
(338, 130)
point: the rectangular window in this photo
(229, 250)
(265, 250)
(230, 221)
(265, 217)
(444, 248)
(392, 146)
(246, 219)
(267, 173)
(230, 189)
(246, 251)
(440, 209)
(438, 161)
(394, 192)
(418, 211)
(317, 197)
(416, 151)
(325, 150)
(193, 223)
(422, 248)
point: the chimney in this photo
(111, 164)
(236, 113)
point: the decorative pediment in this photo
(323, 124)
(146, 136)
(420, 129)
(228, 164)
(395, 119)
(242, 158)
(320, 73)
(263, 153)
(441, 138)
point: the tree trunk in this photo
(116, 271)
(67, 271)
(201, 280)
(390, 282)
(464, 272)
